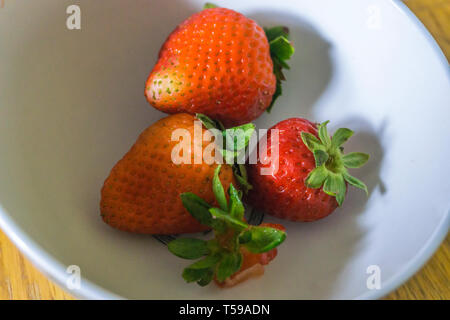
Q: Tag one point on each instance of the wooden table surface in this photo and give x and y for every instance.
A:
(20, 280)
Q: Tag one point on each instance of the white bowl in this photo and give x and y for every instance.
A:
(71, 104)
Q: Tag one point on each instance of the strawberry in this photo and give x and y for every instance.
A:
(222, 64)
(142, 192)
(237, 251)
(312, 176)
(252, 263)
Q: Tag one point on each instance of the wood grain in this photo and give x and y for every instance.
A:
(20, 280)
(432, 282)
(435, 15)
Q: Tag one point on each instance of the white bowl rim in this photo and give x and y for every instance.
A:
(56, 271)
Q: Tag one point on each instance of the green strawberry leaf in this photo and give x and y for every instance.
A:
(243, 184)
(278, 93)
(206, 277)
(320, 156)
(207, 121)
(355, 159)
(200, 271)
(213, 245)
(264, 239)
(240, 173)
(335, 186)
(209, 5)
(283, 65)
(226, 217)
(323, 134)
(229, 264)
(341, 136)
(218, 190)
(245, 237)
(280, 50)
(208, 262)
(188, 248)
(197, 207)
(355, 182)
(275, 32)
(237, 138)
(316, 177)
(311, 142)
(236, 142)
(342, 189)
(236, 207)
(330, 186)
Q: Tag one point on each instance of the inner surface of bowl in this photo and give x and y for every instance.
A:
(72, 103)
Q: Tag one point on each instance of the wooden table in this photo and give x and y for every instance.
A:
(20, 280)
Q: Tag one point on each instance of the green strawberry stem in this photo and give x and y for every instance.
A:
(281, 50)
(209, 5)
(331, 172)
(221, 256)
(235, 142)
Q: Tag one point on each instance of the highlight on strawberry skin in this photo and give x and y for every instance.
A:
(238, 250)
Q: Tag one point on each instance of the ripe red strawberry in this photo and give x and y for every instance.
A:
(312, 174)
(222, 64)
(142, 192)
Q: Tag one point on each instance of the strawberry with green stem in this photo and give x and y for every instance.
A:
(220, 63)
(235, 241)
(312, 177)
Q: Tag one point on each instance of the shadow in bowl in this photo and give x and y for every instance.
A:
(311, 68)
(366, 139)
